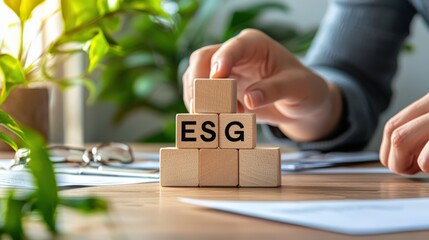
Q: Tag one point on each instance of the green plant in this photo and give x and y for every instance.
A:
(88, 27)
(148, 76)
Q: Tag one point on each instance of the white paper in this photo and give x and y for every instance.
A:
(355, 217)
(143, 165)
(343, 170)
(310, 160)
(22, 179)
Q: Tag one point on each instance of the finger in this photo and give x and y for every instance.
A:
(406, 143)
(423, 160)
(199, 67)
(242, 48)
(414, 110)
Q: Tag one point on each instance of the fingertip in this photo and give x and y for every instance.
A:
(220, 69)
(254, 99)
(423, 164)
(191, 106)
(214, 70)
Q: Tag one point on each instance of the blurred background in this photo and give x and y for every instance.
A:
(411, 81)
(138, 92)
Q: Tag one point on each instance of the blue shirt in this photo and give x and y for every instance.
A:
(357, 48)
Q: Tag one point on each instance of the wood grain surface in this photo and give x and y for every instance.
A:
(218, 95)
(148, 211)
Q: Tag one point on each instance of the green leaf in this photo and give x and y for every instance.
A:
(9, 141)
(44, 177)
(85, 204)
(77, 12)
(23, 8)
(11, 74)
(98, 48)
(13, 217)
(149, 6)
(7, 121)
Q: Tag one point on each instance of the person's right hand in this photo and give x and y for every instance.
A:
(272, 83)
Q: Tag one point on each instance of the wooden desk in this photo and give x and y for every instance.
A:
(148, 211)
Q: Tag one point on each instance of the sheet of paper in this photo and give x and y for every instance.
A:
(310, 160)
(343, 170)
(22, 179)
(295, 161)
(143, 165)
(355, 217)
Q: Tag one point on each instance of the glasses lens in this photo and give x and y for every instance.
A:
(120, 152)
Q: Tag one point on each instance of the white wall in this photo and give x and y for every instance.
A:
(410, 83)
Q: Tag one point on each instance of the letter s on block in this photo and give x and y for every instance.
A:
(209, 131)
(240, 134)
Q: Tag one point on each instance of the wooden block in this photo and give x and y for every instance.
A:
(259, 167)
(179, 167)
(218, 167)
(197, 130)
(217, 95)
(237, 130)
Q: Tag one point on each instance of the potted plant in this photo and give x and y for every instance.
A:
(88, 26)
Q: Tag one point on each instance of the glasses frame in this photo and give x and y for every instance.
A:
(88, 155)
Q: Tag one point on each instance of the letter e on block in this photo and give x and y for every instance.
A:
(197, 130)
(217, 95)
(237, 130)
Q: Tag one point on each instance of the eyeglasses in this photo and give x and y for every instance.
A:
(103, 154)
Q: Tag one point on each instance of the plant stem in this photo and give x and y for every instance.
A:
(21, 42)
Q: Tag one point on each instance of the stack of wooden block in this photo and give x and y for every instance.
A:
(215, 146)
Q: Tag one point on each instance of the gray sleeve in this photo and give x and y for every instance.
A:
(356, 48)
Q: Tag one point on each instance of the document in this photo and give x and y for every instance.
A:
(300, 161)
(23, 179)
(69, 176)
(291, 162)
(354, 217)
(342, 170)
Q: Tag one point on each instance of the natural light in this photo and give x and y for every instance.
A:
(44, 16)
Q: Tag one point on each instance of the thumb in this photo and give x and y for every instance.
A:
(237, 49)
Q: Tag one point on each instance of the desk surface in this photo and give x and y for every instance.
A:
(148, 211)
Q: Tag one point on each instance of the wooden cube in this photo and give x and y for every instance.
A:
(218, 167)
(215, 95)
(179, 167)
(197, 130)
(237, 130)
(259, 167)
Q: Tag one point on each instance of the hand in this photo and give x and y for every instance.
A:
(272, 83)
(405, 146)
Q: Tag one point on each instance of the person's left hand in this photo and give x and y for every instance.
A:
(405, 145)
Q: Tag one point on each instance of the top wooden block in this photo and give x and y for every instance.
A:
(217, 95)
